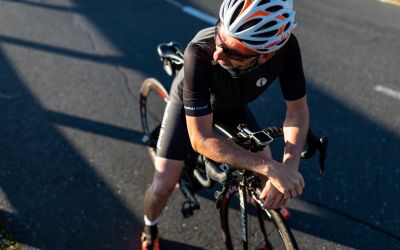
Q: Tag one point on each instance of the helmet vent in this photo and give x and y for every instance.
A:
(248, 24)
(266, 34)
(287, 26)
(274, 8)
(236, 13)
(284, 40)
(285, 15)
(267, 26)
(253, 42)
(263, 2)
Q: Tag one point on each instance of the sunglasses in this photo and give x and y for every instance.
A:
(229, 52)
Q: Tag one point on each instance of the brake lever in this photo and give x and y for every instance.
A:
(314, 143)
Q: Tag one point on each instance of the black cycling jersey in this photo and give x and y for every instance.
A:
(174, 143)
(204, 86)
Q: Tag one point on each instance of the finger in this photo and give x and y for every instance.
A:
(270, 199)
(283, 202)
(265, 191)
(302, 182)
(277, 185)
(299, 190)
(268, 202)
(287, 194)
(277, 201)
(293, 193)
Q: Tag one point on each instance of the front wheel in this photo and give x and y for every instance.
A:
(266, 229)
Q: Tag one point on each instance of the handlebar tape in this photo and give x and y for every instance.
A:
(213, 172)
(204, 181)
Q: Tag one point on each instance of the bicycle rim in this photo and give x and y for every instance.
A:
(153, 99)
(277, 234)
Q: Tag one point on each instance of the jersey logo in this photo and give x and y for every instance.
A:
(261, 82)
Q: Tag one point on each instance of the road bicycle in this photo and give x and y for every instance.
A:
(245, 224)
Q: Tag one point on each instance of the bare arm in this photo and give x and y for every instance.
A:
(219, 149)
(222, 150)
(295, 130)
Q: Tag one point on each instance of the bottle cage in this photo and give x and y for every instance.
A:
(171, 56)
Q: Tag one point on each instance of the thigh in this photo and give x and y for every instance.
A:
(173, 142)
(167, 172)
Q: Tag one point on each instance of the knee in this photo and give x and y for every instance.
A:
(167, 174)
(162, 187)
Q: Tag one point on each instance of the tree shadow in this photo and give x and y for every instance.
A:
(60, 202)
(58, 199)
(94, 127)
(52, 187)
(44, 5)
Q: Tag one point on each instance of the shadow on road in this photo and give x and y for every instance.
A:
(57, 199)
(167, 244)
(45, 6)
(54, 191)
(94, 127)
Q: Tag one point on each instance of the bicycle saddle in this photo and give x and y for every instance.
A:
(171, 56)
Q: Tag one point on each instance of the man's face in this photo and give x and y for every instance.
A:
(230, 53)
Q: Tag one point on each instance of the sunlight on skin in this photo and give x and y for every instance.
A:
(235, 44)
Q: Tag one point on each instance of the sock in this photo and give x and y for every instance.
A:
(150, 223)
(150, 229)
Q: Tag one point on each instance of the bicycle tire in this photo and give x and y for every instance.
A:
(153, 99)
(279, 235)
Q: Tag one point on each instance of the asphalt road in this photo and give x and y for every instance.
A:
(72, 166)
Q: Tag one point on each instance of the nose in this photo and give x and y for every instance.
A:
(218, 54)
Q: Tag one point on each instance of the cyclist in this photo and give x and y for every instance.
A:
(225, 67)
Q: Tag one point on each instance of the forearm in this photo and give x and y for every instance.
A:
(225, 151)
(295, 130)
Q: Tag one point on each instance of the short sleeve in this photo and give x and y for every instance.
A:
(197, 79)
(292, 80)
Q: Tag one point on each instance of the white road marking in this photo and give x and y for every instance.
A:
(194, 12)
(175, 3)
(200, 15)
(387, 91)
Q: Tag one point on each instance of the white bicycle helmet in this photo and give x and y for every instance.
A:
(261, 25)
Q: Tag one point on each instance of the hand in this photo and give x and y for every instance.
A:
(273, 198)
(288, 181)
